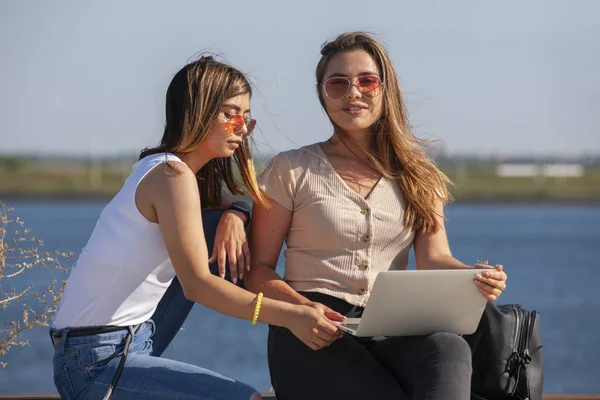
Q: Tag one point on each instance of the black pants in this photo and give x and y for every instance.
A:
(437, 366)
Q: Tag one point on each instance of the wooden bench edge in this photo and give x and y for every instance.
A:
(271, 396)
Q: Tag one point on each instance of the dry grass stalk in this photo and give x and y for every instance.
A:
(19, 255)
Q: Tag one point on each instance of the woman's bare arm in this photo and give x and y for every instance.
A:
(432, 251)
(269, 228)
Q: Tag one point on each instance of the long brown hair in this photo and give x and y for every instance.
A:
(194, 99)
(400, 154)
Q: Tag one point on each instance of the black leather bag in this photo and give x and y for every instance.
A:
(507, 355)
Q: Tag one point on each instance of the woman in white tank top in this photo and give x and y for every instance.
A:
(125, 294)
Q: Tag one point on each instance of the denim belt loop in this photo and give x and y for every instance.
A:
(63, 340)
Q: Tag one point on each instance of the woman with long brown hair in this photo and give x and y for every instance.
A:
(123, 299)
(348, 208)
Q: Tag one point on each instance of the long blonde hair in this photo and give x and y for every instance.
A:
(194, 99)
(400, 154)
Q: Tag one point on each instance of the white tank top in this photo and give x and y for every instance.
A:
(124, 270)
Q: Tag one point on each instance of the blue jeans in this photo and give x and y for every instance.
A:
(84, 366)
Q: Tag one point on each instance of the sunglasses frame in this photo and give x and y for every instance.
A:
(248, 121)
(351, 82)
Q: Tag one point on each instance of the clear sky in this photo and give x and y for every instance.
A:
(483, 77)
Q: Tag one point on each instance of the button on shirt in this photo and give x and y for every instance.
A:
(338, 241)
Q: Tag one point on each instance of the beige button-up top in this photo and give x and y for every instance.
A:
(338, 241)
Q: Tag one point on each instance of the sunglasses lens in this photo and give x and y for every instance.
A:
(368, 85)
(336, 88)
(236, 122)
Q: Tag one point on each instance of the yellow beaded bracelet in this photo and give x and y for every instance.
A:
(257, 308)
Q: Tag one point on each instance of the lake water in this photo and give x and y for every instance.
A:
(551, 255)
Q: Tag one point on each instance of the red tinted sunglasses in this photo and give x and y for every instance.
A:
(236, 122)
(337, 87)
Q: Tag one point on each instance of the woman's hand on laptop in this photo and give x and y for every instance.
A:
(313, 327)
(327, 312)
(491, 283)
(331, 315)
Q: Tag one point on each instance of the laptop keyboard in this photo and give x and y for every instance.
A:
(351, 326)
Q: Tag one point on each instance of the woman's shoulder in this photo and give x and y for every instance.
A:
(290, 171)
(166, 170)
(152, 160)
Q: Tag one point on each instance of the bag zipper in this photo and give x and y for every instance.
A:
(521, 353)
(517, 333)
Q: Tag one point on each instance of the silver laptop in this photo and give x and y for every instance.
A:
(420, 302)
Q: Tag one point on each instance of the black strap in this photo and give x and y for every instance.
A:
(94, 330)
(238, 206)
(115, 381)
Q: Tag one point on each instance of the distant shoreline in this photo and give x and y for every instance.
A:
(476, 181)
(95, 197)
